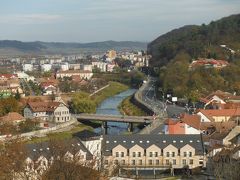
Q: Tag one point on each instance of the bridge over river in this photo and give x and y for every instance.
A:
(114, 118)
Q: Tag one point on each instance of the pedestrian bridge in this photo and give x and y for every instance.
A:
(114, 118)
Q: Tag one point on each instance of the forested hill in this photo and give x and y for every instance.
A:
(19, 47)
(198, 41)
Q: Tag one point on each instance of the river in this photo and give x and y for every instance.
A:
(110, 106)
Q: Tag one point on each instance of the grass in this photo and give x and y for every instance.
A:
(113, 89)
(60, 135)
(130, 109)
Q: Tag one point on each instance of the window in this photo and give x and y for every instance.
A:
(115, 161)
(173, 154)
(167, 154)
(174, 161)
(157, 162)
(106, 161)
(185, 154)
(156, 154)
(134, 154)
(117, 154)
(150, 154)
(133, 162)
(191, 161)
(139, 154)
(190, 154)
(123, 162)
(122, 154)
(150, 162)
(184, 162)
(140, 162)
(167, 162)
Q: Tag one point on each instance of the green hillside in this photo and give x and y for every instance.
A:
(174, 51)
(198, 41)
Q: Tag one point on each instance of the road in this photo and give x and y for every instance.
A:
(149, 96)
(161, 109)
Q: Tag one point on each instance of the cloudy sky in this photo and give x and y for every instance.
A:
(99, 20)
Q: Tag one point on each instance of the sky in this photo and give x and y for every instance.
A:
(101, 20)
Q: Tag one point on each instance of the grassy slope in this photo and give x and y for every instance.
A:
(128, 108)
(113, 89)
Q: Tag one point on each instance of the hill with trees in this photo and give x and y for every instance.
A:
(9, 47)
(173, 52)
(198, 41)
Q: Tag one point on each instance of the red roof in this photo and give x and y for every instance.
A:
(12, 116)
(8, 76)
(192, 120)
(220, 112)
(43, 106)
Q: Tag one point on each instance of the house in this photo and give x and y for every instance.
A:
(153, 150)
(56, 112)
(12, 118)
(41, 156)
(218, 115)
(187, 124)
(48, 88)
(219, 100)
(209, 63)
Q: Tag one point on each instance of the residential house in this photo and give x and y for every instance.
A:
(187, 124)
(49, 111)
(48, 88)
(12, 118)
(41, 156)
(218, 115)
(153, 150)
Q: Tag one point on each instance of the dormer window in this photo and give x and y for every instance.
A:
(107, 142)
(174, 141)
(124, 141)
(115, 141)
(147, 141)
(190, 141)
(140, 141)
(164, 141)
(132, 141)
(181, 141)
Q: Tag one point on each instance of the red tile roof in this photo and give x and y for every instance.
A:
(220, 112)
(12, 116)
(192, 120)
(43, 106)
(8, 76)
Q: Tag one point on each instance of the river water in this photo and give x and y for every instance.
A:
(110, 106)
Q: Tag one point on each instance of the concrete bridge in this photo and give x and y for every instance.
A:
(114, 118)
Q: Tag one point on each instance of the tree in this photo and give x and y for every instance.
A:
(81, 103)
(9, 105)
(12, 164)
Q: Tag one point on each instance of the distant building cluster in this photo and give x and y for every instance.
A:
(208, 63)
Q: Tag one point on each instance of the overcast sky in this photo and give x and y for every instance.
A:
(100, 20)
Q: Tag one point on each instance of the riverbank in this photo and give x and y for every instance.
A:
(68, 134)
(128, 108)
(113, 89)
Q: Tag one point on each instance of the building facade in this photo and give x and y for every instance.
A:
(156, 150)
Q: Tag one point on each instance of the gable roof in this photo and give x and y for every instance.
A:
(220, 112)
(43, 106)
(147, 140)
(11, 117)
(192, 120)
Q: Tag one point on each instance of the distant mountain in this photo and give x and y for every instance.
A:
(38, 47)
(198, 41)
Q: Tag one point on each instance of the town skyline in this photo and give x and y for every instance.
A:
(92, 21)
